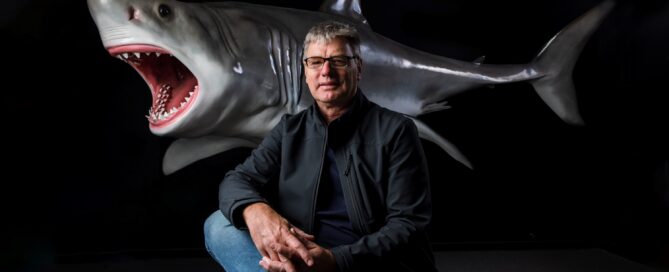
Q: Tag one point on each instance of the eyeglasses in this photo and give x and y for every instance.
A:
(336, 61)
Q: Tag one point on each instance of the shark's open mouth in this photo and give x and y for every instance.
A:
(173, 85)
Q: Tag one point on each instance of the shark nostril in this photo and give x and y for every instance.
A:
(133, 14)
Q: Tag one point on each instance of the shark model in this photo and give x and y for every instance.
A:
(222, 74)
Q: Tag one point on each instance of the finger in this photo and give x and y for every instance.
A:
(267, 245)
(290, 253)
(309, 244)
(259, 245)
(264, 251)
(273, 255)
(270, 253)
(264, 263)
(302, 234)
(282, 257)
(271, 265)
(284, 252)
(293, 243)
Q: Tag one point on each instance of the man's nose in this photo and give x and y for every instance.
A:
(326, 69)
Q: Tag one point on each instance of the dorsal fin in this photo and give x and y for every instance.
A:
(346, 8)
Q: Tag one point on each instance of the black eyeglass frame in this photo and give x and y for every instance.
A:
(330, 61)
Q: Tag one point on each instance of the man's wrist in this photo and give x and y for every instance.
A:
(251, 210)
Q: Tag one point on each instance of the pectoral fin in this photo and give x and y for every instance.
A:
(184, 152)
(427, 133)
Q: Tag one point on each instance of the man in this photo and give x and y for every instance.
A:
(341, 186)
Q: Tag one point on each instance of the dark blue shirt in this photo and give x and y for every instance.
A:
(333, 226)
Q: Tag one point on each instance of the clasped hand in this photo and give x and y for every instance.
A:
(283, 246)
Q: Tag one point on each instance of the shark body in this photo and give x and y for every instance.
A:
(223, 73)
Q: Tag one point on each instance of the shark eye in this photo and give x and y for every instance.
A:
(164, 10)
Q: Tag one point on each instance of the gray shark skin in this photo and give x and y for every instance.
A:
(223, 73)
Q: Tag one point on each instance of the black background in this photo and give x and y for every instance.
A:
(82, 171)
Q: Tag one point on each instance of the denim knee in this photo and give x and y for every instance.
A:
(229, 246)
(215, 227)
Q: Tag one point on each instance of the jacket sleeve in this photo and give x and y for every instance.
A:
(408, 207)
(242, 186)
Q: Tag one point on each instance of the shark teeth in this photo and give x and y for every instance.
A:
(149, 62)
(126, 56)
(158, 112)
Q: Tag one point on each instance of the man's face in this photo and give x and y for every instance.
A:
(332, 85)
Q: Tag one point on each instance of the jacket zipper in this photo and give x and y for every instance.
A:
(318, 182)
(357, 210)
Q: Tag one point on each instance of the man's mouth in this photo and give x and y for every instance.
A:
(173, 85)
(328, 84)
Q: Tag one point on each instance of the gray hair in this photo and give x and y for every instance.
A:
(329, 30)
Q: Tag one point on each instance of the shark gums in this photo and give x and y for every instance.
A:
(222, 74)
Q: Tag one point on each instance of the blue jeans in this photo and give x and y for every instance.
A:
(231, 248)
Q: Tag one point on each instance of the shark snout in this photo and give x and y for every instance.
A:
(116, 11)
(123, 21)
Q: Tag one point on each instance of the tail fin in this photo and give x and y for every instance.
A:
(557, 59)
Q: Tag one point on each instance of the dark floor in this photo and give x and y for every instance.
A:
(572, 260)
(545, 260)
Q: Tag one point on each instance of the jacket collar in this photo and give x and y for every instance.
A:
(349, 118)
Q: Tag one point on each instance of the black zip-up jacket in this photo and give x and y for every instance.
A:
(383, 174)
